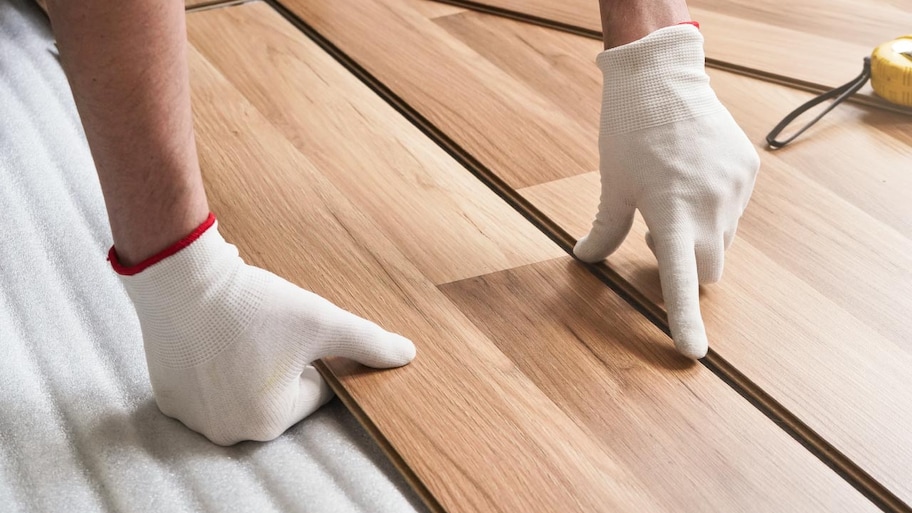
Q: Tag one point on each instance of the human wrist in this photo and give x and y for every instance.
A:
(625, 21)
(655, 80)
(126, 267)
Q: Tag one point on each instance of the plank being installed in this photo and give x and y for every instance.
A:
(483, 233)
(819, 42)
(672, 424)
(472, 422)
(822, 264)
(814, 306)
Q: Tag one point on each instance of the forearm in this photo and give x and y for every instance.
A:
(625, 21)
(127, 67)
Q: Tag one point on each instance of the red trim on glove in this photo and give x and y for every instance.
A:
(694, 23)
(130, 270)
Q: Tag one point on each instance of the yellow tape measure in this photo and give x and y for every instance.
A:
(890, 70)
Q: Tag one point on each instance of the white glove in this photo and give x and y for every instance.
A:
(229, 346)
(669, 148)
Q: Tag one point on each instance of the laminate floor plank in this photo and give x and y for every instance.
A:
(814, 304)
(815, 41)
(459, 415)
(821, 271)
(440, 73)
(196, 3)
(432, 10)
(557, 66)
(328, 114)
(671, 423)
(799, 339)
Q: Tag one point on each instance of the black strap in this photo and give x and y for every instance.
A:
(840, 94)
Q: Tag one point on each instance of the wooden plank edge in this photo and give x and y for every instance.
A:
(848, 470)
(868, 100)
(391, 453)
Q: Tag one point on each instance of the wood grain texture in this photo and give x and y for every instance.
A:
(823, 261)
(816, 41)
(474, 424)
(450, 225)
(196, 3)
(814, 306)
(469, 437)
(432, 10)
(671, 423)
(452, 85)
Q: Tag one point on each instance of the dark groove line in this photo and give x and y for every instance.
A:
(803, 85)
(395, 458)
(772, 409)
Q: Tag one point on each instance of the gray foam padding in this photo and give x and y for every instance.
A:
(79, 430)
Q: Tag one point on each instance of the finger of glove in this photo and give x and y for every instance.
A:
(358, 339)
(610, 228)
(681, 290)
(710, 260)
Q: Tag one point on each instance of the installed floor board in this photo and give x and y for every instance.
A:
(440, 73)
(674, 425)
(812, 41)
(326, 113)
(821, 272)
(822, 263)
(558, 67)
(199, 3)
(458, 416)
(815, 301)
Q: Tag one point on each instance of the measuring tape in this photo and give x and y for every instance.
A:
(890, 70)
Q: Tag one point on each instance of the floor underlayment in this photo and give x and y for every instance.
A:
(79, 430)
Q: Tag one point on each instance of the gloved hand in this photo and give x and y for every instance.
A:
(229, 346)
(669, 148)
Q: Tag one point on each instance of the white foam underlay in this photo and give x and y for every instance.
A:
(79, 430)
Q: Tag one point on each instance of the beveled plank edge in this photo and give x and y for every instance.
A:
(772, 409)
(431, 502)
(812, 87)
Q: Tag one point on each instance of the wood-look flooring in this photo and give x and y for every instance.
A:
(814, 306)
(537, 387)
(819, 42)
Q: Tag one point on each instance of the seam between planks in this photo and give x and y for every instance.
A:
(843, 466)
(395, 458)
(803, 85)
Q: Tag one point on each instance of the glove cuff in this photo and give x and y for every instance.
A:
(655, 80)
(130, 270)
(193, 299)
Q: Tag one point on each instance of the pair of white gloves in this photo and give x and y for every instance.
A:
(229, 346)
